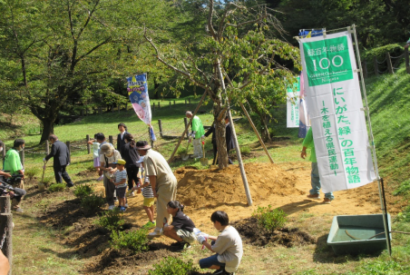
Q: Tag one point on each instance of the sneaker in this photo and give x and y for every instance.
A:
(70, 185)
(326, 200)
(111, 207)
(313, 196)
(156, 233)
(222, 271)
(126, 205)
(123, 209)
(149, 225)
(100, 178)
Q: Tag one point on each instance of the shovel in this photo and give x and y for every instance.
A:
(41, 185)
(186, 155)
(204, 161)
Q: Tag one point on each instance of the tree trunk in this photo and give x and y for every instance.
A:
(156, 86)
(265, 131)
(220, 133)
(48, 128)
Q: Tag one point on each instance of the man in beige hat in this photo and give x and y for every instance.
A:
(163, 182)
(108, 160)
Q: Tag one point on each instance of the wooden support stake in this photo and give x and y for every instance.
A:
(186, 128)
(406, 58)
(6, 232)
(174, 102)
(88, 145)
(256, 132)
(47, 147)
(160, 127)
(238, 152)
(69, 151)
(389, 65)
(376, 66)
(186, 125)
(110, 139)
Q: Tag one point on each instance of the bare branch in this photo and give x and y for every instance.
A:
(90, 14)
(92, 50)
(211, 11)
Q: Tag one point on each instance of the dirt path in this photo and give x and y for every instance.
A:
(284, 185)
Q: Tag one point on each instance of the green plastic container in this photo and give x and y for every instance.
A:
(350, 234)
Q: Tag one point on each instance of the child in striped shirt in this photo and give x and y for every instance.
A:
(120, 183)
(148, 194)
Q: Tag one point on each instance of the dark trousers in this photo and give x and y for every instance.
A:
(60, 172)
(109, 191)
(132, 173)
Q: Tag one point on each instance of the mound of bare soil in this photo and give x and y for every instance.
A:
(212, 187)
(289, 237)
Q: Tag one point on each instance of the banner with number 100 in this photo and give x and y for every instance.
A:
(334, 103)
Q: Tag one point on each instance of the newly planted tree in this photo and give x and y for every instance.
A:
(238, 50)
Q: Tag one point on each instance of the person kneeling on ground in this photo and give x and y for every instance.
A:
(120, 183)
(228, 246)
(181, 228)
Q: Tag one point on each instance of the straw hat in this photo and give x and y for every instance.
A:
(107, 149)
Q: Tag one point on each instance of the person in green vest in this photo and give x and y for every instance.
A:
(314, 175)
(12, 165)
(197, 134)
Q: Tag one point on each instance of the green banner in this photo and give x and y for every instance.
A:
(327, 61)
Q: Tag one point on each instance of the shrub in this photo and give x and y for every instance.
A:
(31, 173)
(136, 240)
(175, 266)
(82, 191)
(111, 220)
(56, 187)
(245, 150)
(181, 151)
(269, 218)
(46, 181)
(92, 203)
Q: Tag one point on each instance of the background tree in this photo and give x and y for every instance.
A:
(239, 42)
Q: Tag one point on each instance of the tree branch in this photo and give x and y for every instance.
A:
(211, 11)
(93, 49)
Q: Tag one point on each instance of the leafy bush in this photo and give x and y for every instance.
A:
(31, 173)
(175, 266)
(269, 218)
(136, 240)
(82, 191)
(56, 187)
(46, 181)
(92, 203)
(111, 220)
(245, 150)
(181, 151)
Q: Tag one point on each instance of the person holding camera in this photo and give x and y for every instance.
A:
(12, 165)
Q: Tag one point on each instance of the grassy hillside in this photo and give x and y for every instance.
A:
(389, 104)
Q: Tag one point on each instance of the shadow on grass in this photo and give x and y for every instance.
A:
(324, 253)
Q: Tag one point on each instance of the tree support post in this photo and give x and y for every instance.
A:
(47, 147)
(88, 145)
(238, 152)
(6, 229)
(110, 139)
(160, 127)
(406, 58)
(186, 128)
(389, 65)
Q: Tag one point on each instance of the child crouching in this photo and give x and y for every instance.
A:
(181, 228)
(228, 246)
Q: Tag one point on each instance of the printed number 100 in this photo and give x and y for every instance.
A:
(324, 63)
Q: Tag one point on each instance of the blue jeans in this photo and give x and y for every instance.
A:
(315, 181)
(210, 261)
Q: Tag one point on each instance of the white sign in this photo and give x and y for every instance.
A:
(292, 104)
(334, 101)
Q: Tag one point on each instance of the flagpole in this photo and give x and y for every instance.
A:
(373, 147)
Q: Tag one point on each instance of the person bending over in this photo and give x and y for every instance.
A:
(181, 228)
(228, 246)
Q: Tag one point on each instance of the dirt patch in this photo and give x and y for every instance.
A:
(289, 237)
(87, 173)
(212, 187)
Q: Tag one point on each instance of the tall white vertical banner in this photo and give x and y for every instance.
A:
(334, 101)
(292, 105)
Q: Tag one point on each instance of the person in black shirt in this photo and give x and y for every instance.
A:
(181, 228)
(130, 155)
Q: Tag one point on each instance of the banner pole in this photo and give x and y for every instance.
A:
(373, 147)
